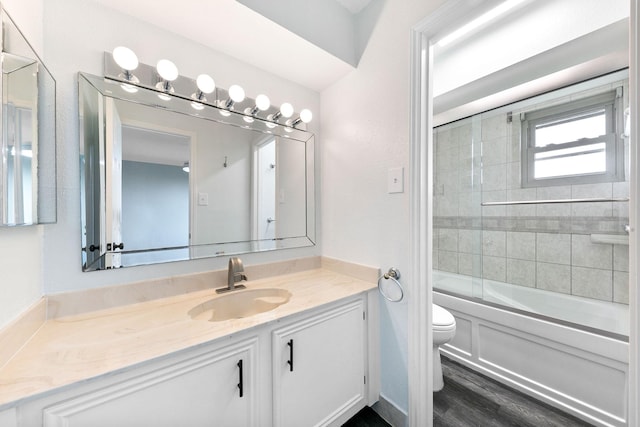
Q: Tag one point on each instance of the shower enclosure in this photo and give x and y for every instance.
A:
(531, 207)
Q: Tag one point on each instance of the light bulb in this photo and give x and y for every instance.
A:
(286, 109)
(167, 70)
(125, 58)
(262, 102)
(306, 115)
(205, 83)
(236, 93)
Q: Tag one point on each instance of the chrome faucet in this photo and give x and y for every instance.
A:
(235, 274)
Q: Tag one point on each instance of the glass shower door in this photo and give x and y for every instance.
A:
(457, 239)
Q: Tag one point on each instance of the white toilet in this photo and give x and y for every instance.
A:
(444, 328)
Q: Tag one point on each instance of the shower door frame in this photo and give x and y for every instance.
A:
(420, 338)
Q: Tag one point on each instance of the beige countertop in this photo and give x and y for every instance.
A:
(73, 348)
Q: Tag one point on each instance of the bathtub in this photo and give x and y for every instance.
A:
(571, 353)
(607, 317)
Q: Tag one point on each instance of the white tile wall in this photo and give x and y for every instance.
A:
(521, 272)
(592, 283)
(494, 268)
(588, 191)
(494, 243)
(621, 287)
(448, 261)
(521, 210)
(621, 257)
(470, 264)
(494, 177)
(553, 277)
(587, 254)
(448, 240)
(469, 241)
(553, 193)
(494, 126)
(494, 196)
(553, 248)
(521, 245)
(494, 151)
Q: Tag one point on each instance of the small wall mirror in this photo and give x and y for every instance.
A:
(163, 181)
(27, 166)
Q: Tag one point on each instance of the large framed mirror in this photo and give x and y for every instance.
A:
(162, 181)
(27, 143)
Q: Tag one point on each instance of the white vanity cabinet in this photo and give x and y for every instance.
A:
(331, 348)
(216, 387)
(8, 418)
(319, 368)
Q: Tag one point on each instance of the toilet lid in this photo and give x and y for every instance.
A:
(442, 317)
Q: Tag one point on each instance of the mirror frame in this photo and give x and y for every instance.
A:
(39, 207)
(94, 90)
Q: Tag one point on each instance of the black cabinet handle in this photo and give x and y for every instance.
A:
(120, 246)
(290, 361)
(241, 383)
(93, 248)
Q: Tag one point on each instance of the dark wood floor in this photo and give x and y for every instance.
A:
(470, 399)
(367, 417)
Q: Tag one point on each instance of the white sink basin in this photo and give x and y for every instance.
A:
(240, 304)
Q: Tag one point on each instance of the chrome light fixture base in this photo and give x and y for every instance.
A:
(146, 76)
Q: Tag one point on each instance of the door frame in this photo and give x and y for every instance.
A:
(420, 337)
(255, 183)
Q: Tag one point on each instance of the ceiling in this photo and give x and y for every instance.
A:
(354, 6)
(311, 66)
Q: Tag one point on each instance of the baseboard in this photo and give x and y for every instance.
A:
(391, 413)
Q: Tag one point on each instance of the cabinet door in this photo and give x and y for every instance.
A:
(319, 367)
(8, 418)
(206, 390)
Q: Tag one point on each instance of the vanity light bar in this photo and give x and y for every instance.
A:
(123, 65)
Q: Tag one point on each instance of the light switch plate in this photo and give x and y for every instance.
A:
(395, 180)
(203, 199)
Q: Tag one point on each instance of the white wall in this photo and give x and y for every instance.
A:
(28, 16)
(21, 247)
(365, 131)
(76, 33)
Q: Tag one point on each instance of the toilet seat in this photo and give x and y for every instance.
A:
(442, 319)
(447, 328)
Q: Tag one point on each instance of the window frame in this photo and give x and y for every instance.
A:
(611, 102)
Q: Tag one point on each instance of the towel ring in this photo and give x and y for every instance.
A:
(393, 274)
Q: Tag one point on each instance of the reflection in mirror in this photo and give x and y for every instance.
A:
(27, 166)
(165, 182)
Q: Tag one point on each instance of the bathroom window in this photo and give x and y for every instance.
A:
(574, 143)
